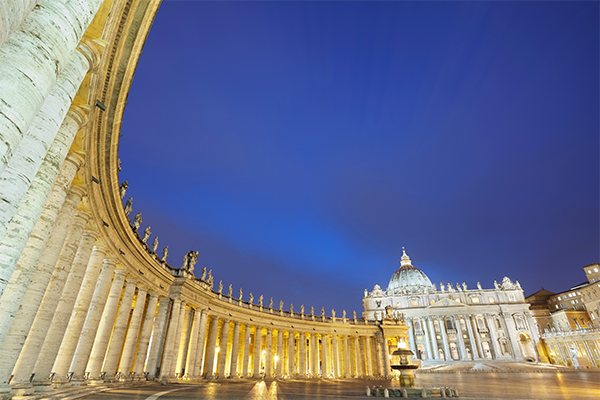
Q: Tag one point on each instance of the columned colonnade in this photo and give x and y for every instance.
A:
(82, 298)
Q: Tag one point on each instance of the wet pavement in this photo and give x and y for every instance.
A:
(546, 386)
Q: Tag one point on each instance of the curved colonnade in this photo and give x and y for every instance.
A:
(83, 298)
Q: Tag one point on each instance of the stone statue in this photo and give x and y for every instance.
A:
(388, 313)
(366, 292)
(119, 164)
(147, 234)
(189, 260)
(464, 285)
(312, 310)
(442, 288)
(450, 289)
(123, 188)
(240, 294)
(210, 279)
(203, 277)
(165, 253)
(344, 314)
(155, 244)
(260, 299)
(271, 303)
(458, 287)
(281, 304)
(221, 286)
(479, 286)
(129, 206)
(302, 309)
(322, 311)
(230, 290)
(137, 220)
(354, 313)
(518, 285)
(251, 298)
(434, 288)
(332, 313)
(496, 285)
(574, 355)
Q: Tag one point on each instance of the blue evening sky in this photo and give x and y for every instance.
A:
(299, 145)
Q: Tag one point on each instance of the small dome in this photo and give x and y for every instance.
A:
(408, 278)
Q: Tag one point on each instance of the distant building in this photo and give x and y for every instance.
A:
(454, 323)
(569, 322)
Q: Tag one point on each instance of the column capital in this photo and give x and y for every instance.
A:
(79, 114)
(92, 50)
(76, 157)
(131, 280)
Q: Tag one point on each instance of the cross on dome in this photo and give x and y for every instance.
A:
(405, 260)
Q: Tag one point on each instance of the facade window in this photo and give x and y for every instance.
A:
(431, 301)
(589, 271)
(491, 299)
(414, 302)
(474, 299)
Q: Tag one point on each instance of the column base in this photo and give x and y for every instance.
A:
(21, 390)
(95, 381)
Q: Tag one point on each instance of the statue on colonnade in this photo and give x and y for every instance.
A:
(129, 206)
(147, 234)
(123, 189)
(165, 253)
(137, 221)
(155, 244)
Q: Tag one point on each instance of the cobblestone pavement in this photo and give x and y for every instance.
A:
(546, 386)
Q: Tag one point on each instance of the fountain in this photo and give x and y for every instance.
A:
(401, 363)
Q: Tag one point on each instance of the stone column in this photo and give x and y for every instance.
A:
(461, 339)
(201, 339)
(314, 358)
(269, 354)
(131, 337)
(335, 360)
(412, 340)
(148, 324)
(246, 352)
(211, 346)
(357, 358)
(47, 307)
(29, 231)
(222, 360)
(20, 329)
(386, 359)
(181, 341)
(291, 354)
(80, 310)
(324, 356)
(511, 332)
(493, 339)
(158, 336)
(29, 155)
(94, 365)
(280, 355)
(347, 371)
(64, 309)
(447, 355)
(192, 352)
(432, 345)
(256, 352)
(85, 341)
(118, 334)
(379, 356)
(302, 354)
(12, 14)
(369, 353)
(233, 366)
(475, 345)
(170, 340)
(30, 61)
(40, 256)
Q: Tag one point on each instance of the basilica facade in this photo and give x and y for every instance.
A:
(452, 323)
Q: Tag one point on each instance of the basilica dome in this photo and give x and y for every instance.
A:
(409, 279)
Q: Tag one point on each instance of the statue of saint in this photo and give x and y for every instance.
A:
(123, 188)
(260, 299)
(203, 274)
(354, 313)
(240, 294)
(496, 285)
(442, 287)
(271, 303)
(165, 253)
(147, 234)
(221, 286)
(251, 298)
(155, 244)
(464, 285)
(344, 314)
(129, 206)
(450, 289)
(230, 290)
(366, 292)
(137, 221)
(291, 308)
(479, 286)
(210, 280)
(119, 162)
(281, 304)
(322, 311)
(312, 310)
(302, 309)
(332, 313)
(458, 287)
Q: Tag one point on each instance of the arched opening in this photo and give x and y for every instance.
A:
(527, 348)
